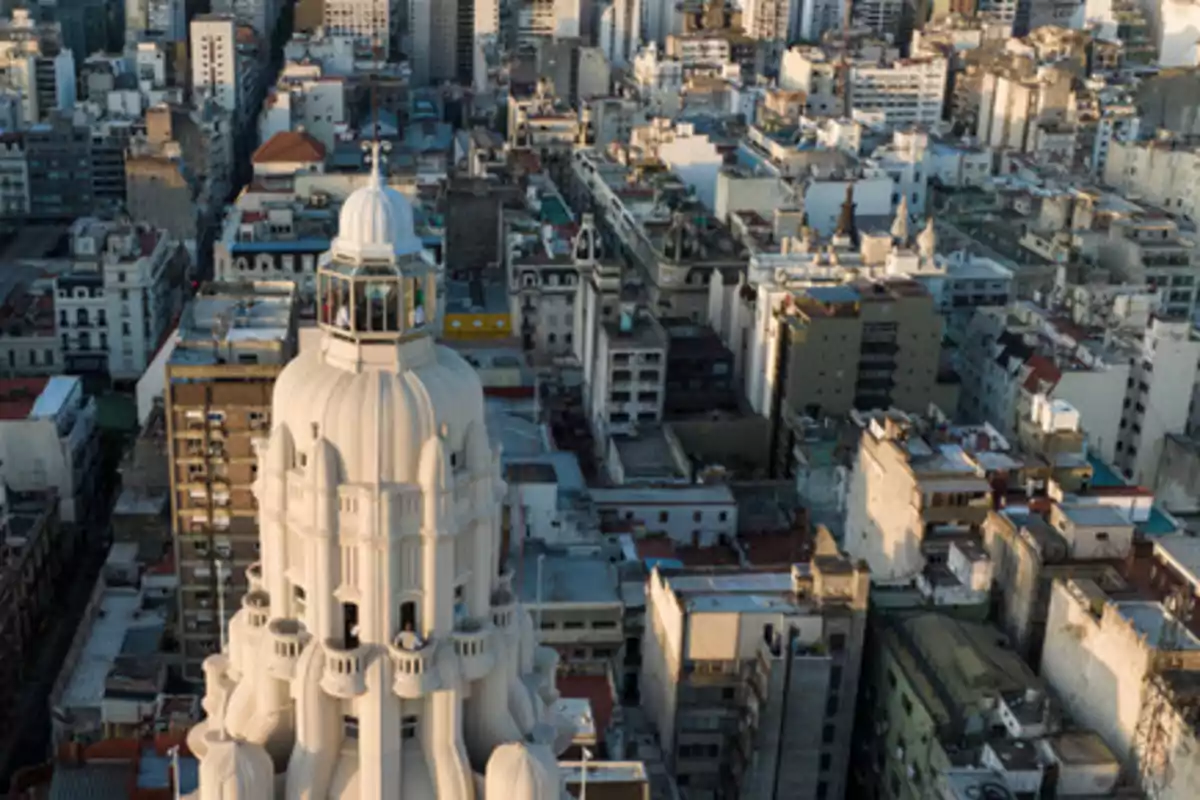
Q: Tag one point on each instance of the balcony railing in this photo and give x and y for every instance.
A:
(345, 673)
(289, 638)
(415, 672)
(472, 645)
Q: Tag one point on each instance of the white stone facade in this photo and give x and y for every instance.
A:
(381, 651)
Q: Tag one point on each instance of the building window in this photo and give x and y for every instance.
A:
(837, 642)
(828, 734)
(826, 761)
(350, 727)
(408, 727)
(663, 516)
(697, 516)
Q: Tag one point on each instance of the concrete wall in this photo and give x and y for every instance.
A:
(1095, 665)
(882, 525)
(1177, 483)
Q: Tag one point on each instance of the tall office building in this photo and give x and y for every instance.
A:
(370, 22)
(214, 59)
(381, 651)
(232, 342)
(770, 20)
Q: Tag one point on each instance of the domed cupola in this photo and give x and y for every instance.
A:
(377, 283)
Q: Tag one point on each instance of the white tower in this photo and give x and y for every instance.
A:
(380, 652)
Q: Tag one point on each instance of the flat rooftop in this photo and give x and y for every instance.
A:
(604, 771)
(530, 472)
(1094, 516)
(232, 313)
(1182, 551)
(121, 617)
(563, 463)
(567, 578)
(1150, 619)
(643, 334)
(746, 592)
(476, 297)
(647, 456)
(708, 494)
(957, 667)
(1081, 747)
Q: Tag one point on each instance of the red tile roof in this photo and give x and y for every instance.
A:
(17, 396)
(287, 146)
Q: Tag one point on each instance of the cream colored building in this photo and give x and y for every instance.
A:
(381, 651)
(1126, 669)
(905, 490)
(750, 678)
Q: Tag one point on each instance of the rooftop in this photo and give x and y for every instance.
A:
(708, 494)
(230, 314)
(1080, 748)
(957, 667)
(1094, 516)
(648, 456)
(1183, 553)
(1152, 621)
(566, 577)
(640, 333)
(115, 630)
(19, 395)
(289, 147)
(604, 771)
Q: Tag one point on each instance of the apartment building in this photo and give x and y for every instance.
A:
(544, 265)
(750, 679)
(629, 375)
(31, 343)
(34, 550)
(1158, 171)
(574, 598)
(1126, 667)
(369, 22)
(215, 63)
(75, 169)
(869, 344)
(948, 711)
(232, 342)
(699, 378)
(123, 291)
(912, 495)
(35, 66)
(898, 91)
(306, 99)
(1153, 250)
(770, 20)
(49, 441)
(676, 250)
